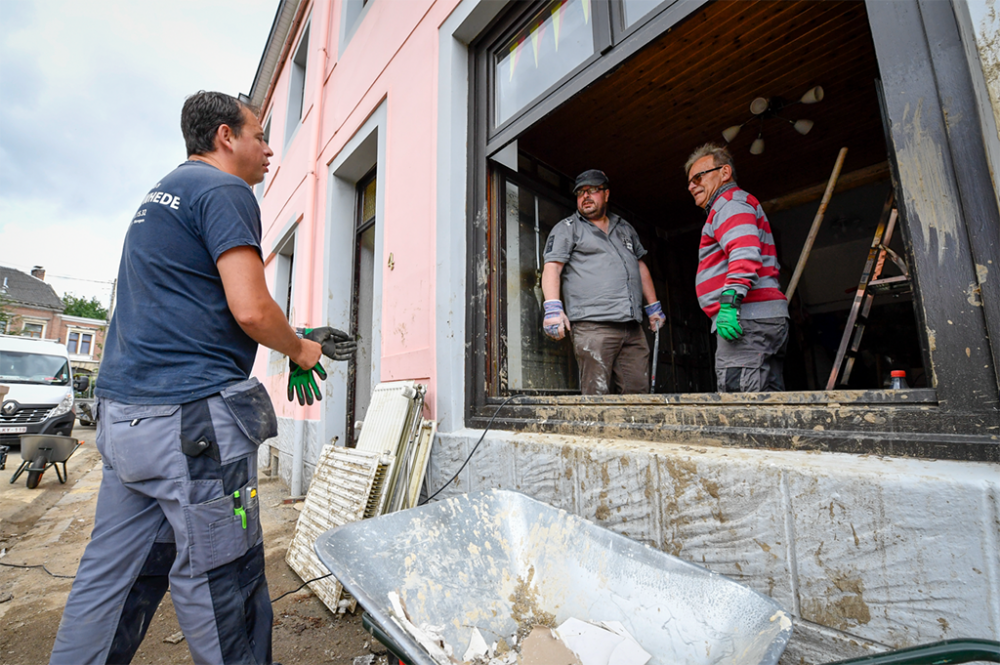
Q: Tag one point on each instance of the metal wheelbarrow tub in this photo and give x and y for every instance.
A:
(40, 451)
(497, 559)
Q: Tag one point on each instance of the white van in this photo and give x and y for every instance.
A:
(39, 399)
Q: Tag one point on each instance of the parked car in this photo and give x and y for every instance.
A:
(40, 388)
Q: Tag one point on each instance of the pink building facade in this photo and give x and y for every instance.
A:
(424, 148)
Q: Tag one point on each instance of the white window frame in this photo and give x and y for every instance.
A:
(261, 186)
(80, 333)
(352, 13)
(297, 69)
(26, 321)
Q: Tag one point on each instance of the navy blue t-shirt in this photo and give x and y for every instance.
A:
(172, 338)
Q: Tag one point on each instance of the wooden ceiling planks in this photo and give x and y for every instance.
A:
(640, 122)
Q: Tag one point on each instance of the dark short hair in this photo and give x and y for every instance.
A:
(202, 115)
(719, 154)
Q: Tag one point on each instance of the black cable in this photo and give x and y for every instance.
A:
(474, 448)
(322, 577)
(40, 565)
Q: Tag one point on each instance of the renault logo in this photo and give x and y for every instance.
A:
(9, 408)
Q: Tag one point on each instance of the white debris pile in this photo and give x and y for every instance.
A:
(575, 642)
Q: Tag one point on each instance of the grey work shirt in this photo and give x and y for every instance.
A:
(600, 279)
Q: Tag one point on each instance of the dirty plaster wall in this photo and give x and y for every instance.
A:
(896, 552)
(987, 33)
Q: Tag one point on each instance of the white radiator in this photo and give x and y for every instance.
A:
(387, 416)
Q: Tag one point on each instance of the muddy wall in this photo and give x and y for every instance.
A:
(867, 553)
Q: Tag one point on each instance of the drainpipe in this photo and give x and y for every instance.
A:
(320, 21)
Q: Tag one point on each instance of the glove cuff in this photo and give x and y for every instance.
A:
(553, 306)
(730, 297)
(653, 308)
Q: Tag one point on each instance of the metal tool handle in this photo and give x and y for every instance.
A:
(656, 356)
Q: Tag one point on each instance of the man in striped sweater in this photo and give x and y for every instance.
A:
(737, 281)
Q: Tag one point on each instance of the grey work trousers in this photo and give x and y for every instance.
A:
(756, 361)
(167, 515)
(611, 355)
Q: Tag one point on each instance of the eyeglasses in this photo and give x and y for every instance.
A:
(696, 178)
(583, 191)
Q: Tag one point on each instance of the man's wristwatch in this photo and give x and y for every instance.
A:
(733, 299)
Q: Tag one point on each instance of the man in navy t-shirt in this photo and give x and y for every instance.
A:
(179, 418)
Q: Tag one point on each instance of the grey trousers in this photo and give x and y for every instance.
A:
(613, 357)
(756, 361)
(168, 515)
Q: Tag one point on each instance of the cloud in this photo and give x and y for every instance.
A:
(90, 98)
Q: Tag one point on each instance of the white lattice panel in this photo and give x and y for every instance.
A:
(339, 493)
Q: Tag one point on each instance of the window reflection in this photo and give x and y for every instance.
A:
(534, 362)
(634, 10)
(555, 41)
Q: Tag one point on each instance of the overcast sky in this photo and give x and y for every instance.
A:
(90, 99)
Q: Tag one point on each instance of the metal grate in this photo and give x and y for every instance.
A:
(26, 415)
(339, 493)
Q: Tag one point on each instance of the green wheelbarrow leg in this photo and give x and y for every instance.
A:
(939, 653)
(376, 631)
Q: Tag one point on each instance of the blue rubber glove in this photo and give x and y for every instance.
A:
(556, 322)
(655, 314)
(727, 322)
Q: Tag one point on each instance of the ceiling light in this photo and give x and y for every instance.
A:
(771, 107)
(759, 105)
(813, 95)
(730, 132)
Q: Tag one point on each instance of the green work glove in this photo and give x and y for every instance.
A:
(727, 322)
(302, 384)
(337, 345)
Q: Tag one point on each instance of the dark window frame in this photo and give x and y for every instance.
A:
(361, 225)
(956, 419)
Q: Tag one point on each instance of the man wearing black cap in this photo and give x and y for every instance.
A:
(593, 263)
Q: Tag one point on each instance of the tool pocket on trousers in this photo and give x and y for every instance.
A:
(217, 534)
(253, 525)
(251, 407)
(142, 439)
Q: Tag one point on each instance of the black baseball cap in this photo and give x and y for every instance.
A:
(592, 177)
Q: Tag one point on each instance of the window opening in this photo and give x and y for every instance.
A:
(679, 97)
(79, 343)
(533, 361)
(297, 86)
(261, 186)
(33, 330)
(284, 287)
(362, 302)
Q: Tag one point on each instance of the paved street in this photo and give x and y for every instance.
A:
(51, 525)
(20, 507)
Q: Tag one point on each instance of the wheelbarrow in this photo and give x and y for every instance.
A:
(40, 451)
(498, 560)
